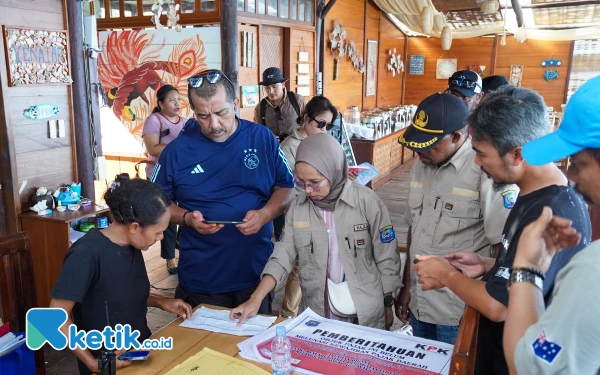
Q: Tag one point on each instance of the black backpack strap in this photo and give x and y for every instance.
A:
(263, 110)
(294, 102)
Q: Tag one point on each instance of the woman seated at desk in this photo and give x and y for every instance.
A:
(106, 268)
(340, 231)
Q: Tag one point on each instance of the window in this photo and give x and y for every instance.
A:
(251, 6)
(294, 14)
(586, 63)
(188, 6)
(130, 8)
(309, 11)
(114, 9)
(261, 7)
(272, 8)
(240, 5)
(301, 11)
(207, 6)
(284, 10)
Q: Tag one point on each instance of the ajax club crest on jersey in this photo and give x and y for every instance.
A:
(250, 158)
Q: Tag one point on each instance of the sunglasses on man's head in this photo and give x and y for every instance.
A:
(463, 82)
(212, 76)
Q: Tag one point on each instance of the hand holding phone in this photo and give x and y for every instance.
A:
(134, 356)
(223, 222)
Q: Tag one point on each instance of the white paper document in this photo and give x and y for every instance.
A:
(218, 321)
(10, 342)
(325, 346)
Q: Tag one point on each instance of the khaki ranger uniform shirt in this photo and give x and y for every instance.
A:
(452, 208)
(367, 248)
(288, 115)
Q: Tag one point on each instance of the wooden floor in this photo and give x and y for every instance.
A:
(394, 194)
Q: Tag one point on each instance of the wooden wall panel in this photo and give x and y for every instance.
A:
(372, 33)
(530, 54)
(347, 90)
(302, 40)
(248, 76)
(474, 51)
(389, 88)
(50, 168)
(34, 156)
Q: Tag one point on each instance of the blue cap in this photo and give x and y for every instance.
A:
(280, 331)
(579, 129)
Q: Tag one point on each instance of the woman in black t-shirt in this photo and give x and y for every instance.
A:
(104, 270)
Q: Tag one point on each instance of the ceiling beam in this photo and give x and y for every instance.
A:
(557, 4)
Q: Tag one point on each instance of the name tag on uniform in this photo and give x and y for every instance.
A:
(360, 227)
(301, 224)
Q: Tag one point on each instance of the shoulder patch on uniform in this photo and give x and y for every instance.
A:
(361, 227)
(545, 349)
(510, 198)
(386, 234)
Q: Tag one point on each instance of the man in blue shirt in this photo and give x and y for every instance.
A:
(223, 169)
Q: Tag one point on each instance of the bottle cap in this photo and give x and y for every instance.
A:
(280, 330)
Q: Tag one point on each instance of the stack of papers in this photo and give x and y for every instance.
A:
(214, 363)
(218, 321)
(10, 342)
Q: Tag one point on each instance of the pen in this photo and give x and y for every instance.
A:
(355, 255)
(435, 204)
(349, 247)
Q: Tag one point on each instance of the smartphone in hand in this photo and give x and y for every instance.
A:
(134, 356)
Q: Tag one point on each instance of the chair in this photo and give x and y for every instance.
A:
(17, 286)
(465, 347)
(137, 168)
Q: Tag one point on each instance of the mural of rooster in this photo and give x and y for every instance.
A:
(133, 66)
(133, 85)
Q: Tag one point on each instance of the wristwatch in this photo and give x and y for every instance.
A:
(388, 301)
(525, 275)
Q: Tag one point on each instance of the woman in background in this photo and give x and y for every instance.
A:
(160, 128)
(105, 268)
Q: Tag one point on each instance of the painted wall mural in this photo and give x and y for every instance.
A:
(134, 64)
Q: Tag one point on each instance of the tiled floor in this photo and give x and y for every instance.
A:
(393, 194)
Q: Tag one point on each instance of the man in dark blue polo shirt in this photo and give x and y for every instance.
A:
(224, 169)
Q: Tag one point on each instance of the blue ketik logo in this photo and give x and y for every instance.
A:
(43, 326)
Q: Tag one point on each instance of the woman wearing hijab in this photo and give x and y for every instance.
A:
(341, 232)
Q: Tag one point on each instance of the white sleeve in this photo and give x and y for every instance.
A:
(566, 338)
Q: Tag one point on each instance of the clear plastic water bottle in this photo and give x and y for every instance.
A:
(281, 353)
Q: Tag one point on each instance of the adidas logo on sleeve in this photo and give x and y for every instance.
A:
(197, 169)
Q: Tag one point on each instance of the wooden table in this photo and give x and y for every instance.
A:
(186, 343)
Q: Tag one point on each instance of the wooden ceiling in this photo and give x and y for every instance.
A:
(547, 14)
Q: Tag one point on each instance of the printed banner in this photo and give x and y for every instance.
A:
(323, 346)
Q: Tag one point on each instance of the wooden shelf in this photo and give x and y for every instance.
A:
(50, 240)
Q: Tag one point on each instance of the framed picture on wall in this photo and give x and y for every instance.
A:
(371, 67)
(250, 96)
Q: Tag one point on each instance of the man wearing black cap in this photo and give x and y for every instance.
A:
(452, 206)
(466, 85)
(280, 109)
(493, 83)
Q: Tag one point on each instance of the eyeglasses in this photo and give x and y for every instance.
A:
(322, 124)
(212, 76)
(310, 186)
(463, 82)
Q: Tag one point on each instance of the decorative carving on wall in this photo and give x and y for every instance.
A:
(394, 63)
(37, 56)
(341, 48)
